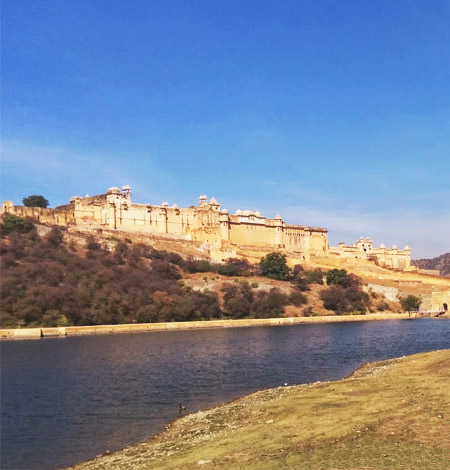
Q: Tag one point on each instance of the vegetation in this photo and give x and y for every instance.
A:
(387, 415)
(410, 303)
(13, 223)
(47, 281)
(274, 265)
(35, 201)
(344, 294)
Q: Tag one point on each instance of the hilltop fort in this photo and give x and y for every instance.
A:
(242, 234)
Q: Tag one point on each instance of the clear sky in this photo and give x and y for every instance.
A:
(331, 113)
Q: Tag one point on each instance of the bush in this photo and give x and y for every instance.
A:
(274, 266)
(314, 277)
(228, 269)
(269, 304)
(345, 299)
(13, 223)
(297, 298)
(198, 266)
(382, 306)
(54, 237)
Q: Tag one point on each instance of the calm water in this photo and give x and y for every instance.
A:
(68, 399)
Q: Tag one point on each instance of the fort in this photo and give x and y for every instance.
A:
(242, 234)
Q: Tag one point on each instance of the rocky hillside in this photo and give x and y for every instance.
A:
(440, 263)
(59, 277)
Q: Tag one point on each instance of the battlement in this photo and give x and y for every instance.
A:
(206, 222)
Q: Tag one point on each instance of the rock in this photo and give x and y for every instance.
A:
(269, 421)
(203, 462)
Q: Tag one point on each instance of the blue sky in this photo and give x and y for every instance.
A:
(330, 113)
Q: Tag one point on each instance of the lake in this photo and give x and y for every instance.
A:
(65, 400)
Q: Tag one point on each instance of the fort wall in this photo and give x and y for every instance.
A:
(244, 233)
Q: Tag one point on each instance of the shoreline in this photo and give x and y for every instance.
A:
(47, 332)
(307, 436)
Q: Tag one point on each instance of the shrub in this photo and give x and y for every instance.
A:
(228, 269)
(314, 277)
(297, 298)
(198, 266)
(13, 223)
(382, 306)
(269, 304)
(55, 237)
(93, 245)
(345, 300)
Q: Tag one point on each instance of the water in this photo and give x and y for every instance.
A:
(65, 400)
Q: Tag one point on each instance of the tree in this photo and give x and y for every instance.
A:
(410, 302)
(338, 277)
(274, 266)
(35, 201)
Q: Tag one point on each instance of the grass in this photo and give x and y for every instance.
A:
(387, 415)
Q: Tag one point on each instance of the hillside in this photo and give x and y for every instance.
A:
(440, 263)
(61, 277)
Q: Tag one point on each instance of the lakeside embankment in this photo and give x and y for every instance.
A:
(389, 415)
(33, 333)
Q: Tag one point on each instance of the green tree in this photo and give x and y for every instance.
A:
(35, 201)
(274, 266)
(410, 302)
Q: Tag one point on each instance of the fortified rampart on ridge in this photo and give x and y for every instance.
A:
(229, 235)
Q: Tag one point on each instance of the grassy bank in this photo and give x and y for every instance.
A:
(388, 415)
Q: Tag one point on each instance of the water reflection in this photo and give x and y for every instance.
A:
(65, 400)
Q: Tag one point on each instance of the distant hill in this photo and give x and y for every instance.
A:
(440, 263)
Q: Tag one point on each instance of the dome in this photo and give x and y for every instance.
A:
(407, 247)
(247, 212)
(394, 247)
(174, 206)
(213, 201)
(258, 214)
(368, 239)
(382, 246)
(278, 217)
(224, 211)
(238, 212)
(126, 188)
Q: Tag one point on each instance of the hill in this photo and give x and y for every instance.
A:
(440, 263)
(60, 277)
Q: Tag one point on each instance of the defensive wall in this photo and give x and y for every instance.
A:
(243, 234)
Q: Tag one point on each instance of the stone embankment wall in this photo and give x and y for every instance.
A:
(35, 333)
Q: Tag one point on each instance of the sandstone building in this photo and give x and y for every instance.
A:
(244, 233)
